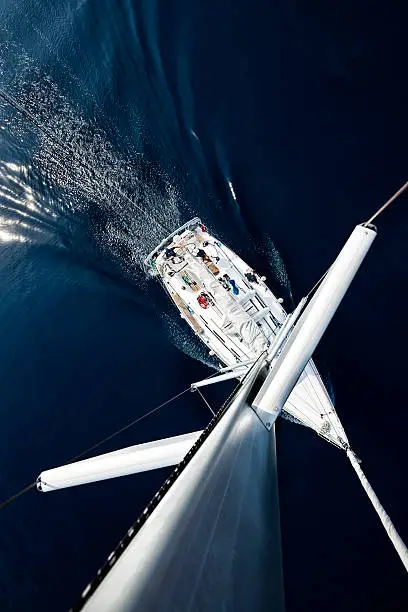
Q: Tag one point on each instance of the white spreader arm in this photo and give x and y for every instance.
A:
(311, 326)
(130, 460)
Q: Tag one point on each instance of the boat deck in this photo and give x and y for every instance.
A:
(237, 316)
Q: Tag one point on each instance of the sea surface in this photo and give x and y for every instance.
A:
(281, 125)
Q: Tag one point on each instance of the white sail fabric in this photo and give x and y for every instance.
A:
(393, 534)
(240, 322)
(246, 328)
(310, 404)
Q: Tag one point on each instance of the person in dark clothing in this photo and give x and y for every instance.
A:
(203, 255)
(235, 289)
(251, 277)
(171, 251)
(215, 257)
(224, 283)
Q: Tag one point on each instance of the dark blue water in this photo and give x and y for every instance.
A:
(280, 124)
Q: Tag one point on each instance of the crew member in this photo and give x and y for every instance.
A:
(171, 251)
(235, 289)
(203, 255)
(251, 276)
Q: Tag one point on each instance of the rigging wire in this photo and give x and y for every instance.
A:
(205, 401)
(316, 285)
(119, 431)
(66, 146)
(387, 203)
(17, 495)
(366, 223)
(107, 438)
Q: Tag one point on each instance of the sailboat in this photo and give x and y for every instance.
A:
(210, 538)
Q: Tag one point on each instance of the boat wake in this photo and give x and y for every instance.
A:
(119, 201)
(80, 191)
(185, 340)
(265, 247)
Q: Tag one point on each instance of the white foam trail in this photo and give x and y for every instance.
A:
(185, 340)
(268, 250)
(90, 171)
(232, 191)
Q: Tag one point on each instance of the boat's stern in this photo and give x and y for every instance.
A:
(189, 228)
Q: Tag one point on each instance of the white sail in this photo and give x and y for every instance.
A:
(311, 405)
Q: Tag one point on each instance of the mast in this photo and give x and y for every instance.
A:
(212, 538)
(212, 532)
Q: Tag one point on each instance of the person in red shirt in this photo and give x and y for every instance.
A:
(203, 301)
